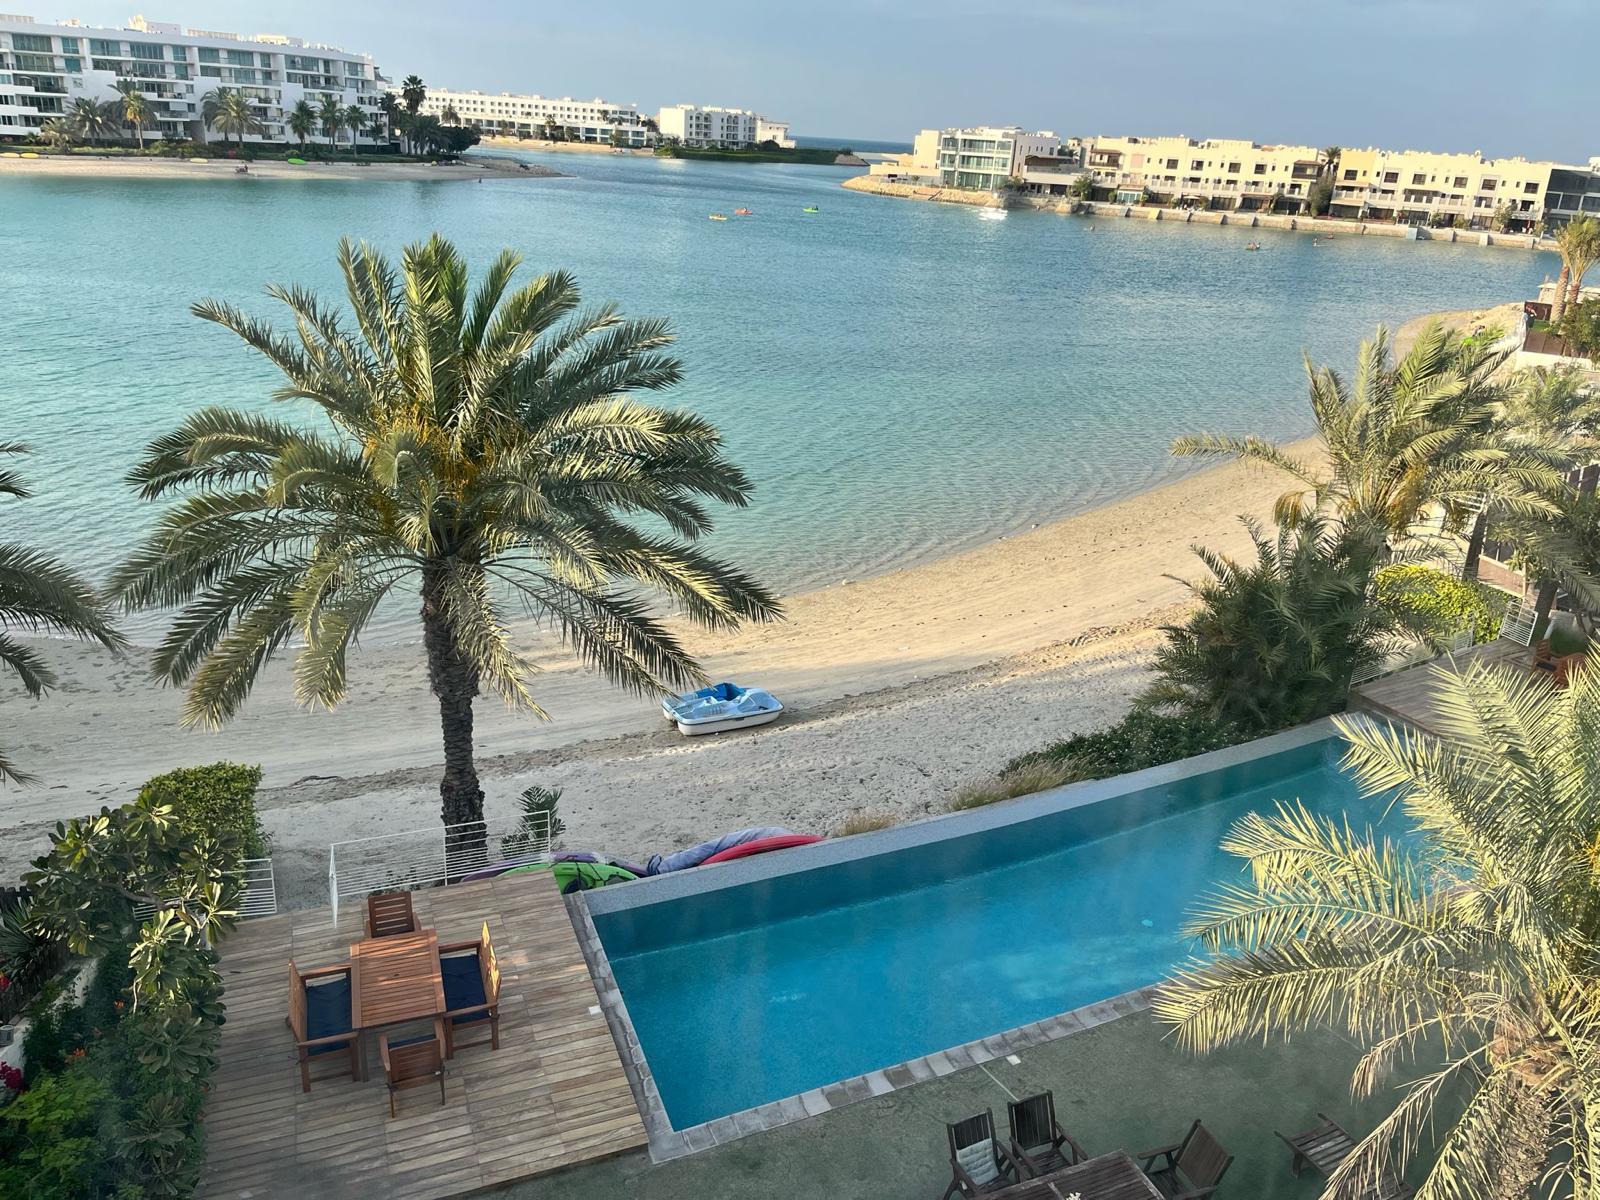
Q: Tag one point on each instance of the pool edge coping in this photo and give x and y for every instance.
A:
(934, 827)
(666, 1143)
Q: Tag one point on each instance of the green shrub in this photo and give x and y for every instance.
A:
(866, 821)
(1012, 782)
(1437, 605)
(50, 1144)
(220, 798)
(1143, 738)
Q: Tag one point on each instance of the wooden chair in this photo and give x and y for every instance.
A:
(978, 1162)
(471, 975)
(1193, 1167)
(320, 1017)
(1544, 659)
(412, 1062)
(1038, 1143)
(1325, 1146)
(389, 913)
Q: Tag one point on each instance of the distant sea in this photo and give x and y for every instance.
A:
(899, 379)
(870, 145)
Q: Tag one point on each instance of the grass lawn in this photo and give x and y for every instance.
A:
(1122, 1085)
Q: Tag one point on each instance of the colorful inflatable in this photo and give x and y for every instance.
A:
(761, 846)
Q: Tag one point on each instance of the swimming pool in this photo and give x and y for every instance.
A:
(766, 978)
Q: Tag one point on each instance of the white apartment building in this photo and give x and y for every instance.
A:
(45, 67)
(984, 157)
(720, 128)
(595, 121)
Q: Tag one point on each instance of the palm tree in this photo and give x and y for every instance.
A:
(135, 109)
(413, 93)
(302, 120)
(229, 111)
(449, 116)
(330, 114)
(425, 134)
(1578, 243)
(1275, 642)
(1473, 947)
(1556, 414)
(1408, 437)
(1562, 551)
(59, 132)
(41, 595)
(92, 119)
(389, 107)
(482, 446)
(355, 120)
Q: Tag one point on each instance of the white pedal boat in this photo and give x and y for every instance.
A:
(720, 708)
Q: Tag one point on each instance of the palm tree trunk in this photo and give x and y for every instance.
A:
(455, 683)
(1480, 530)
(1558, 302)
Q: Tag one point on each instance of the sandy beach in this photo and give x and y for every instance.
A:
(470, 168)
(898, 689)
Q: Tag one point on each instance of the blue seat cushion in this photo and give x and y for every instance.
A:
(463, 986)
(328, 1012)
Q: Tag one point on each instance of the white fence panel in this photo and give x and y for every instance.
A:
(1517, 625)
(258, 899)
(428, 857)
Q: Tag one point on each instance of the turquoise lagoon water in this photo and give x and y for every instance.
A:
(748, 994)
(900, 379)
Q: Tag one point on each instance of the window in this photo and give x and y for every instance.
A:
(1261, 169)
(70, 45)
(241, 58)
(1531, 189)
(208, 55)
(1487, 185)
(109, 49)
(180, 54)
(1350, 174)
(30, 41)
(1233, 168)
(144, 51)
(72, 64)
(1391, 176)
(1460, 181)
(1418, 178)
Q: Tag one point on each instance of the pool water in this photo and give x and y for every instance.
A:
(746, 994)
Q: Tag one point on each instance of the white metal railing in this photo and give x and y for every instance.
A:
(1463, 639)
(1518, 623)
(258, 897)
(425, 857)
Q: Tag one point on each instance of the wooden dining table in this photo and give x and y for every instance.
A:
(394, 980)
(1112, 1176)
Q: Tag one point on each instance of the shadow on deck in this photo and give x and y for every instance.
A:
(1411, 695)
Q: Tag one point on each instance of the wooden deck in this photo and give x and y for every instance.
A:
(554, 1094)
(1409, 695)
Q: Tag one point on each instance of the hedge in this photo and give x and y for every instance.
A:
(1438, 604)
(217, 798)
(1141, 739)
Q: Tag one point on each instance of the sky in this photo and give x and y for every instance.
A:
(1458, 75)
